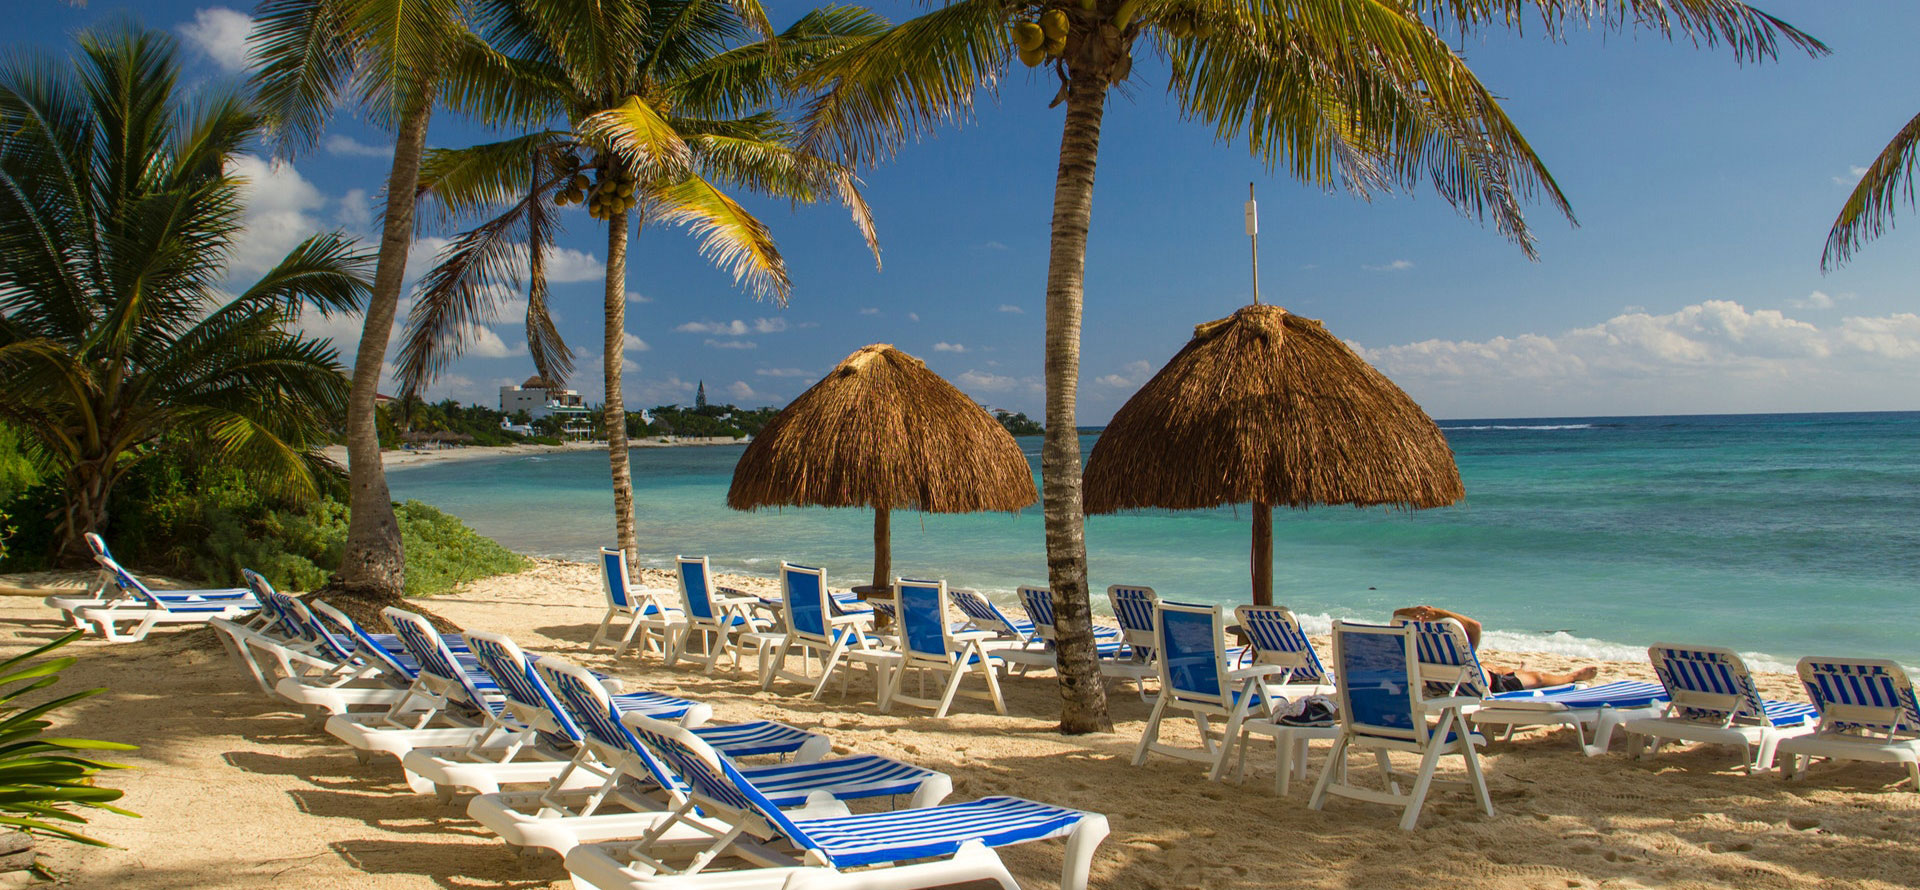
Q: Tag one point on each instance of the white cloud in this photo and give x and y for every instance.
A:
(631, 343)
(948, 347)
(913, 316)
(564, 264)
(342, 144)
(670, 391)
(983, 381)
(484, 343)
(634, 296)
(1395, 266)
(741, 392)
(281, 207)
(1818, 300)
(783, 372)
(735, 328)
(732, 344)
(1135, 373)
(221, 33)
(1713, 356)
(993, 245)
(1009, 307)
(870, 310)
(1852, 177)
(355, 210)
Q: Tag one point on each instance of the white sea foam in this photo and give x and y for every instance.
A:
(1549, 426)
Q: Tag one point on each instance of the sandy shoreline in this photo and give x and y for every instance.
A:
(269, 798)
(400, 459)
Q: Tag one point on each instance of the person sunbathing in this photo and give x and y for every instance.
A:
(1500, 679)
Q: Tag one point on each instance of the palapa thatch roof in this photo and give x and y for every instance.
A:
(1267, 407)
(882, 431)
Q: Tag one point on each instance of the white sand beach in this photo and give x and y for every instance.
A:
(236, 790)
(400, 459)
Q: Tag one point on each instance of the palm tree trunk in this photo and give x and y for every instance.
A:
(616, 409)
(1082, 692)
(374, 564)
(89, 483)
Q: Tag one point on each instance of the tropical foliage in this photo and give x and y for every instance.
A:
(647, 112)
(1361, 94)
(1868, 212)
(117, 211)
(46, 782)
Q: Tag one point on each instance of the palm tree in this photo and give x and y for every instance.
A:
(397, 59)
(1868, 212)
(665, 102)
(1360, 93)
(117, 213)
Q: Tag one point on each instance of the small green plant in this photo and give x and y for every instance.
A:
(43, 779)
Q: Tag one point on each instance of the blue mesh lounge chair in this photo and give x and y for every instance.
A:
(1714, 699)
(645, 609)
(140, 610)
(822, 847)
(1384, 708)
(720, 615)
(1278, 640)
(813, 625)
(929, 646)
(1448, 661)
(1197, 678)
(449, 702)
(1867, 712)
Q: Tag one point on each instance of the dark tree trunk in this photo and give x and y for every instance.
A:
(374, 565)
(1263, 554)
(882, 548)
(616, 409)
(1082, 692)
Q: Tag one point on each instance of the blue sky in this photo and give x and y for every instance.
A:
(1703, 189)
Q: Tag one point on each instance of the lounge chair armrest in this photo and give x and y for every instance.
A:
(1453, 701)
(1258, 670)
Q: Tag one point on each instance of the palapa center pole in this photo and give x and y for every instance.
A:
(1263, 554)
(882, 548)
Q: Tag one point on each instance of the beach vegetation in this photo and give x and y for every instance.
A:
(703, 420)
(119, 327)
(1018, 423)
(650, 112)
(1366, 96)
(51, 782)
(1868, 211)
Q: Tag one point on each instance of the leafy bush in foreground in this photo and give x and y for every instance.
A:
(43, 779)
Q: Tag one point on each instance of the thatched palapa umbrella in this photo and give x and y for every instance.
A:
(1267, 408)
(882, 431)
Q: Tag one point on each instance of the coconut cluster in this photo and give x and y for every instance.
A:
(611, 190)
(1044, 38)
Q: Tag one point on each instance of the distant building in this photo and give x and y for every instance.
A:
(539, 399)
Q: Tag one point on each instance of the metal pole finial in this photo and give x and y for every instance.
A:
(1253, 237)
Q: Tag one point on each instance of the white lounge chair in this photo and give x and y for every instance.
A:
(1133, 606)
(1868, 712)
(811, 624)
(1714, 700)
(143, 610)
(107, 589)
(645, 609)
(1383, 709)
(1197, 679)
(825, 844)
(721, 616)
(1108, 645)
(1278, 640)
(1014, 640)
(450, 703)
(928, 645)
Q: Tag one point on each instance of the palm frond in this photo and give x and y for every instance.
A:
(328, 271)
(303, 53)
(642, 137)
(774, 167)
(730, 237)
(1752, 34)
(551, 356)
(1868, 213)
(465, 181)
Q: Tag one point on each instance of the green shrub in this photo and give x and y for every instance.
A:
(443, 553)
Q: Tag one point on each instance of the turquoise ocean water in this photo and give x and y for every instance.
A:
(1778, 535)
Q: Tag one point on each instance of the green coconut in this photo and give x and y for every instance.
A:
(1055, 24)
(1032, 57)
(1028, 36)
(1056, 45)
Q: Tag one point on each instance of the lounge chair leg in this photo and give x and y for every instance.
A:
(627, 640)
(1477, 775)
(1086, 838)
(1336, 766)
(828, 663)
(993, 686)
(953, 687)
(1763, 760)
(1417, 797)
(600, 633)
(1152, 733)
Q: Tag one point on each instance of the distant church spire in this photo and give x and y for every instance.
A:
(700, 395)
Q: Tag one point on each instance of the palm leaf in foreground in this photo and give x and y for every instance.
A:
(1868, 213)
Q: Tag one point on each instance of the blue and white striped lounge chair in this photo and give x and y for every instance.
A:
(1133, 606)
(812, 625)
(645, 609)
(1714, 700)
(820, 848)
(1197, 677)
(108, 589)
(1383, 709)
(1448, 661)
(558, 819)
(450, 703)
(279, 634)
(1277, 639)
(141, 610)
(1868, 711)
(929, 646)
(1014, 640)
(721, 616)
(543, 744)
(358, 682)
(1107, 643)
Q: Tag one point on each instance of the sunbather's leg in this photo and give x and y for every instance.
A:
(1538, 679)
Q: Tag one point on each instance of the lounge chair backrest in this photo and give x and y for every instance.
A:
(428, 648)
(807, 606)
(1707, 683)
(129, 584)
(1278, 639)
(982, 613)
(713, 780)
(1193, 657)
(1861, 693)
(364, 645)
(614, 581)
(923, 617)
(513, 672)
(337, 645)
(1447, 659)
(696, 585)
(584, 697)
(1133, 608)
(269, 600)
(97, 545)
(1038, 601)
(1379, 689)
